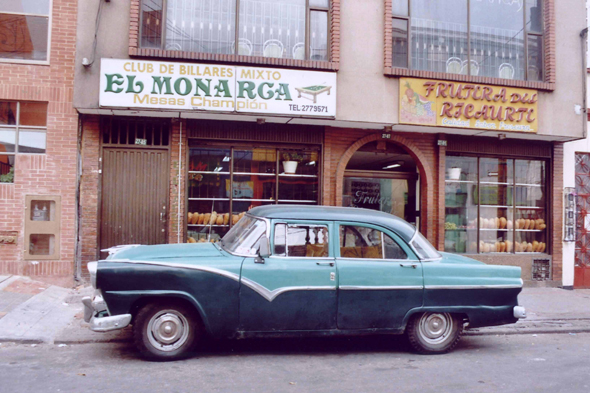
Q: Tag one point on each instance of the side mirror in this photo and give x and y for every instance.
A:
(263, 251)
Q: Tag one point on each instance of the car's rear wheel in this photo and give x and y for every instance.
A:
(432, 333)
(166, 331)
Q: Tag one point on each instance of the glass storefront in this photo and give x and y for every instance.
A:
(495, 205)
(225, 182)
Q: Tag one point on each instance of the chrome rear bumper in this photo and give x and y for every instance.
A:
(92, 309)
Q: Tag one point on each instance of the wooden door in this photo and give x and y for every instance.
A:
(134, 202)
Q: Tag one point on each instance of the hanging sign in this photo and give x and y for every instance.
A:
(467, 105)
(220, 88)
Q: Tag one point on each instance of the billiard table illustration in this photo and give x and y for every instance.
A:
(313, 90)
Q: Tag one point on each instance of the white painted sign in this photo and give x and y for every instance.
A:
(220, 88)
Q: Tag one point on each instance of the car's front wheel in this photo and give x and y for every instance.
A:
(432, 333)
(166, 331)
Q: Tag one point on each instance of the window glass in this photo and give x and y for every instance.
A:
(534, 16)
(23, 37)
(41, 244)
(201, 25)
(244, 238)
(40, 7)
(33, 114)
(32, 141)
(535, 58)
(318, 39)
(6, 168)
(7, 140)
(319, 3)
(497, 39)
(400, 7)
(368, 243)
(273, 28)
(423, 247)
(400, 43)
(7, 113)
(302, 241)
(151, 23)
(439, 35)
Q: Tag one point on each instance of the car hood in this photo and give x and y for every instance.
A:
(169, 252)
(458, 259)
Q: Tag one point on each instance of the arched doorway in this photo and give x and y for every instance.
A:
(383, 176)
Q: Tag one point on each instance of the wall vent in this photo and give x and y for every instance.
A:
(541, 269)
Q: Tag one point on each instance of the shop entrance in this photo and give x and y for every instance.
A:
(382, 176)
(135, 182)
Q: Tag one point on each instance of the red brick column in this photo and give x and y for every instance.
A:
(557, 209)
(177, 183)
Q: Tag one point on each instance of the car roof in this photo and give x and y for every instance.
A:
(332, 213)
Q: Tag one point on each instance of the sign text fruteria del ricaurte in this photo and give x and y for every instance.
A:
(208, 87)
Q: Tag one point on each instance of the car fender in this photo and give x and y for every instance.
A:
(128, 300)
(476, 315)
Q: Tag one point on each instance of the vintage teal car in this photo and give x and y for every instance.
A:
(300, 270)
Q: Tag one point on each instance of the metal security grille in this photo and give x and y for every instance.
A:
(583, 206)
(135, 132)
(541, 269)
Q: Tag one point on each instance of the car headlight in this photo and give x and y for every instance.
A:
(92, 268)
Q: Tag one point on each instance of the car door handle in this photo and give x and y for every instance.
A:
(325, 263)
(412, 265)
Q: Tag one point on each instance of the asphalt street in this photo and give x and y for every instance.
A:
(493, 363)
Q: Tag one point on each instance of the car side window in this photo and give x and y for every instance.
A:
(368, 243)
(302, 241)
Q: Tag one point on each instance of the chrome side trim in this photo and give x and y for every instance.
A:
(472, 286)
(256, 287)
(272, 295)
(378, 288)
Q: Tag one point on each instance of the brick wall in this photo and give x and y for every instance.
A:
(55, 172)
(175, 184)
(556, 223)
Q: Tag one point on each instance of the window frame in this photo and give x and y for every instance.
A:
(333, 52)
(300, 223)
(547, 50)
(49, 29)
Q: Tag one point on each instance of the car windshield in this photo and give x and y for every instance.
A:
(244, 237)
(423, 248)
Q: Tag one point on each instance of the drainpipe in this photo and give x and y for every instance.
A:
(78, 218)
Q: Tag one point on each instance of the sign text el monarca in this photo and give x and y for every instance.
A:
(467, 105)
(213, 87)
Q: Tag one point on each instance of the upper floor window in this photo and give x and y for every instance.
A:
(290, 29)
(24, 29)
(492, 38)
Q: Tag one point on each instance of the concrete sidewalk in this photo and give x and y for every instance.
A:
(34, 312)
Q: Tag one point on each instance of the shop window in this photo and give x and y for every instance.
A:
(495, 39)
(495, 205)
(290, 29)
(224, 183)
(23, 129)
(368, 243)
(24, 28)
(42, 227)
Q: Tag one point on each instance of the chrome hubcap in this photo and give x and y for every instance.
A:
(435, 328)
(168, 330)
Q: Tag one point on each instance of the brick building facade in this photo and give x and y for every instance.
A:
(46, 80)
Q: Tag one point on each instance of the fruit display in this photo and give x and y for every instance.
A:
(450, 225)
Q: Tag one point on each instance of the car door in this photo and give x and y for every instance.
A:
(295, 288)
(380, 278)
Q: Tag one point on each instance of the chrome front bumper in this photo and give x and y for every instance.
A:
(519, 312)
(94, 308)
